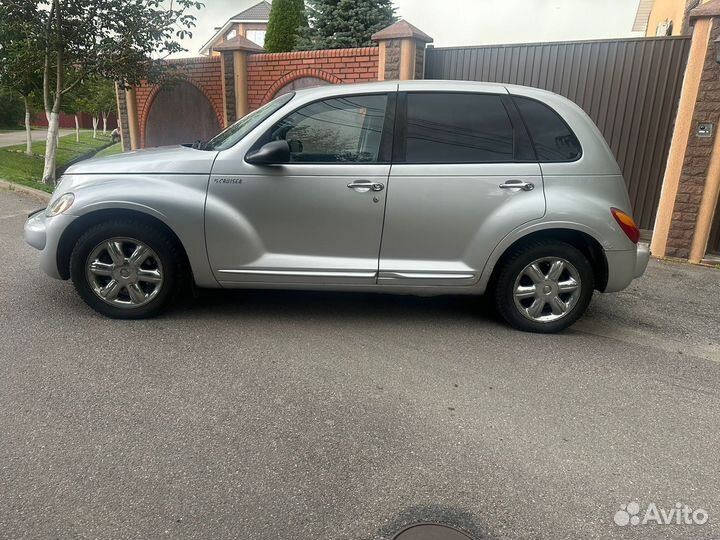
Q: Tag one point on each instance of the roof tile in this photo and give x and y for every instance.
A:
(258, 12)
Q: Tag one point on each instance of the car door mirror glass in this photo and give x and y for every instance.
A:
(272, 153)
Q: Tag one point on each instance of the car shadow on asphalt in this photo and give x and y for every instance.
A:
(333, 305)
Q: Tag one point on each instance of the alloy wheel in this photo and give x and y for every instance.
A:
(124, 272)
(547, 289)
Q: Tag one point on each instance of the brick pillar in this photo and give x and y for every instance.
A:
(233, 56)
(692, 177)
(228, 87)
(122, 118)
(402, 52)
(133, 122)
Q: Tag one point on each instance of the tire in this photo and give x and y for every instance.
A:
(520, 290)
(141, 289)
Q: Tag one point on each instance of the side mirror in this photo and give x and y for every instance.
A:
(272, 153)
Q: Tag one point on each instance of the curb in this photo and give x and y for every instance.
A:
(25, 190)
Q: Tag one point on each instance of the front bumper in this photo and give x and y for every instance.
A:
(44, 234)
(35, 229)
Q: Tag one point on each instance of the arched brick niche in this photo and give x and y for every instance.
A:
(204, 73)
(268, 73)
(178, 114)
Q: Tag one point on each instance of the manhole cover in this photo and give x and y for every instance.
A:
(431, 531)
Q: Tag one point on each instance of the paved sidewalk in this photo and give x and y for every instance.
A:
(12, 138)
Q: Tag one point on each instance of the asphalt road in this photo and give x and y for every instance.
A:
(278, 415)
(11, 138)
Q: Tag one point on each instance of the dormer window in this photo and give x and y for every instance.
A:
(256, 36)
(250, 24)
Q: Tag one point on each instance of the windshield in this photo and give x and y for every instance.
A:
(230, 136)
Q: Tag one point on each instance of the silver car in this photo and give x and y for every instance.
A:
(419, 187)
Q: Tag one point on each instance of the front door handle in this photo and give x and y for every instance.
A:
(518, 184)
(362, 186)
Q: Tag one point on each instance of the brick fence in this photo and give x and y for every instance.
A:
(268, 73)
(243, 77)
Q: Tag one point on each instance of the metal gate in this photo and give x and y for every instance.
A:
(629, 87)
(180, 113)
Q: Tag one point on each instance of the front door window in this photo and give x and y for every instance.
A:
(339, 130)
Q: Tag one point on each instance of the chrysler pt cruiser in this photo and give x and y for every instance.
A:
(421, 187)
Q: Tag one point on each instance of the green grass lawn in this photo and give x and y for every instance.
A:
(110, 150)
(17, 167)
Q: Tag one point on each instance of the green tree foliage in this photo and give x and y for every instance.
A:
(114, 39)
(11, 108)
(344, 24)
(287, 18)
(73, 102)
(21, 59)
(97, 97)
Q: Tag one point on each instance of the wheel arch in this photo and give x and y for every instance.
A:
(581, 240)
(78, 226)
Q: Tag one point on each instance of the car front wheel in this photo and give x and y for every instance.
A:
(544, 287)
(125, 269)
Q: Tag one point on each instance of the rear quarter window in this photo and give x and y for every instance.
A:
(553, 139)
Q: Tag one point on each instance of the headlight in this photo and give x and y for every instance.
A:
(61, 204)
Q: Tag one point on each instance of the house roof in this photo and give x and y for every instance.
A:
(258, 13)
(238, 43)
(708, 9)
(402, 29)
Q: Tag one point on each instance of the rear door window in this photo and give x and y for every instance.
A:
(457, 128)
(553, 139)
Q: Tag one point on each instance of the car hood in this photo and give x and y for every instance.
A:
(166, 159)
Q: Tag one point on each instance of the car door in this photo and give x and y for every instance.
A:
(317, 219)
(464, 175)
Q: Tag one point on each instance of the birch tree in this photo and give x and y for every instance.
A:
(99, 100)
(21, 60)
(74, 103)
(114, 39)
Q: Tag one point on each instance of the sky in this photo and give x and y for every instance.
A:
(474, 22)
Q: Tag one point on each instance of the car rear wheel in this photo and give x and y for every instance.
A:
(544, 287)
(125, 270)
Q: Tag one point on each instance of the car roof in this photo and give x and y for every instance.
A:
(390, 86)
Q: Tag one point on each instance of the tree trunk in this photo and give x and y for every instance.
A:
(77, 129)
(54, 113)
(28, 131)
(51, 148)
(104, 116)
(95, 125)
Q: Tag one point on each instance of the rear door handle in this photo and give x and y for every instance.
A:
(518, 184)
(363, 186)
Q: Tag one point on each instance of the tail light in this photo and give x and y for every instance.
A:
(627, 224)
